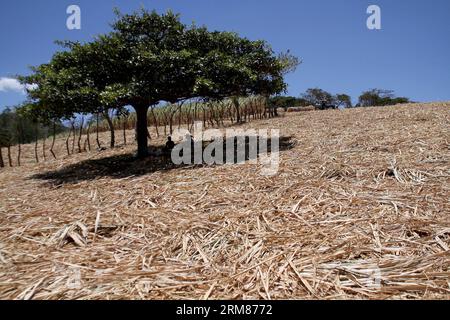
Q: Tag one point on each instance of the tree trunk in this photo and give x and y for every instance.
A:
(195, 110)
(230, 112)
(53, 140)
(156, 122)
(204, 116)
(36, 140)
(124, 127)
(67, 143)
(88, 139)
(98, 141)
(111, 129)
(80, 134)
(194, 117)
(74, 136)
(2, 164)
(141, 130)
(170, 123)
(236, 107)
(165, 124)
(19, 139)
(43, 145)
(9, 156)
(245, 112)
(19, 154)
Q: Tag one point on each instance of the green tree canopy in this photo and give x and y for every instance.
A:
(317, 97)
(379, 97)
(343, 100)
(149, 58)
(18, 125)
(288, 101)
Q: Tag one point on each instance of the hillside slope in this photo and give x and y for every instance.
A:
(359, 209)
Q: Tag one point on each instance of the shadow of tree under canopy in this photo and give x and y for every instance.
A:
(127, 165)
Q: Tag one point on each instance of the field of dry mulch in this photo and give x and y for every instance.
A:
(358, 209)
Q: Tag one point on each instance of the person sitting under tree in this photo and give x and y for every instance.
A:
(169, 147)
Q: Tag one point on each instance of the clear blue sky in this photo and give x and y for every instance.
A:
(409, 55)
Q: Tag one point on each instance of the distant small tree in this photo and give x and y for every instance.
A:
(7, 123)
(379, 97)
(318, 97)
(123, 114)
(287, 102)
(343, 100)
(6, 135)
(400, 100)
(28, 120)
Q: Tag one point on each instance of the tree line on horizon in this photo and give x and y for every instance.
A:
(320, 99)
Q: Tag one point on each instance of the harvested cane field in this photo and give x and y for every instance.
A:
(359, 209)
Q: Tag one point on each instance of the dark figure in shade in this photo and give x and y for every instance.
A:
(169, 147)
